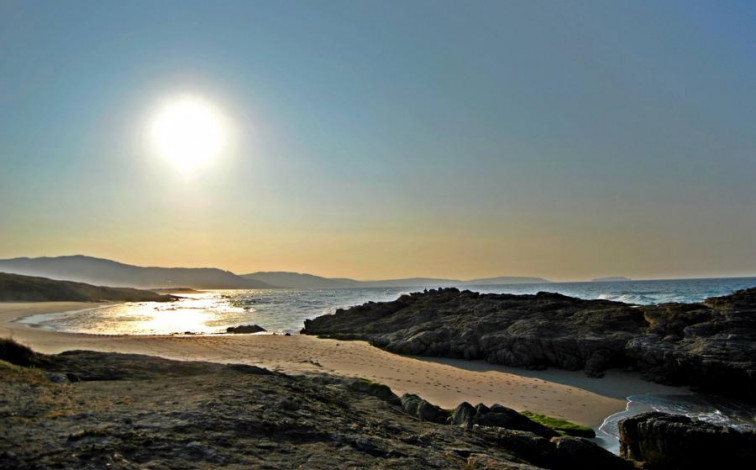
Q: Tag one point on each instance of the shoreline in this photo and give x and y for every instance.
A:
(563, 394)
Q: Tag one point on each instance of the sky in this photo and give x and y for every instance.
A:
(384, 139)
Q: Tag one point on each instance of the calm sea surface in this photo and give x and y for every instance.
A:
(285, 310)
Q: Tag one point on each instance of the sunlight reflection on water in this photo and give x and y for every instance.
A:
(285, 310)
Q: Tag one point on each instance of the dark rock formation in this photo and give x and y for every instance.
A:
(416, 406)
(668, 442)
(557, 453)
(375, 389)
(130, 412)
(711, 345)
(463, 415)
(502, 417)
(245, 329)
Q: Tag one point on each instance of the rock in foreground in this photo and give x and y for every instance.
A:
(711, 344)
(668, 442)
(88, 410)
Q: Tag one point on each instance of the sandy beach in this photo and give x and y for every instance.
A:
(445, 382)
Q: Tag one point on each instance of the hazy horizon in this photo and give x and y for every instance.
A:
(379, 140)
(419, 276)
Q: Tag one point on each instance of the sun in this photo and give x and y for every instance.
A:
(188, 132)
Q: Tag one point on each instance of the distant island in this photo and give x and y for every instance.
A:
(105, 272)
(611, 279)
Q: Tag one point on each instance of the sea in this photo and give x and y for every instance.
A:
(285, 310)
(282, 311)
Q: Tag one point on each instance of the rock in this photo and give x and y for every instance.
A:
(560, 453)
(375, 389)
(503, 417)
(575, 452)
(709, 345)
(497, 416)
(245, 329)
(57, 377)
(662, 441)
(131, 411)
(463, 415)
(416, 406)
(248, 369)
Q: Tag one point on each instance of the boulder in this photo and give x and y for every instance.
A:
(576, 452)
(463, 415)
(559, 453)
(241, 329)
(375, 389)
(661, 441)
(502, 417)
(416, 406)
(497, 416)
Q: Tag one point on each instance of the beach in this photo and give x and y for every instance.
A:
(444, 382)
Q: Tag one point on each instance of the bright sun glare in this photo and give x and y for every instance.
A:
(188, 132)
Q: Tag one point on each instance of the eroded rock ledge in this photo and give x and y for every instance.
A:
(660, 441)
(711, 345)
(89, 410)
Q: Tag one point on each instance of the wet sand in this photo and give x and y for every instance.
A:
(445, 382)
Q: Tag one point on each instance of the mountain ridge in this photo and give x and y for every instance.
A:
(294, 280)
(106, 272)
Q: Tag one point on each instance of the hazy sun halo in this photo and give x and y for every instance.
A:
(188, 132)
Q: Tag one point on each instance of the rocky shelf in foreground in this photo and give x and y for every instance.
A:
(89, 410)
(660, 441)
(711, 345)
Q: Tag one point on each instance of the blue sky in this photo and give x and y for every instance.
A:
(381, 139)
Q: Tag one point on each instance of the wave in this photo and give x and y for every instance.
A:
(710, 408)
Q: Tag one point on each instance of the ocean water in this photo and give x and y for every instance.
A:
(714, 409)
(285, 310)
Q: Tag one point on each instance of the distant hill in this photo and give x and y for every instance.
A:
(14, 287)
(111, 273)
(106, 272)
(411, 282)
(611, 279)
(308, 281)
(300, 280)
(491, 281)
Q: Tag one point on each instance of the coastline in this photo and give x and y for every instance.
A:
(445, 382)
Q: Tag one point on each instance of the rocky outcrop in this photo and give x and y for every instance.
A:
(559, 453)
(661, 441)
(711, 345)
(499, 416)
(467, 416)
(129, 412)
(416, 406)
(242, 329)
